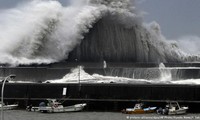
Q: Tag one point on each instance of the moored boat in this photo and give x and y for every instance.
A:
(139, 109)
(173, 108)
(8, 107)
(55, 107)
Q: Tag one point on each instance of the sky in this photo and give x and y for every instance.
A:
(177, 18)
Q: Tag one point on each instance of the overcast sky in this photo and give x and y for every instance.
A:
(176, 17)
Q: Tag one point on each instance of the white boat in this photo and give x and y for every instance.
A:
(55, 107)
(173, 108)
(9, 107)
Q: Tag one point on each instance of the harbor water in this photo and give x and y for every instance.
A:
(24, 115)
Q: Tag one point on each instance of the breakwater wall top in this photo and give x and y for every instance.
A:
(40, 73)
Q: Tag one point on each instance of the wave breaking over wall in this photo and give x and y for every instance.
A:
(46, 32)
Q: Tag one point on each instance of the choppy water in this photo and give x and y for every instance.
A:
(24, 115)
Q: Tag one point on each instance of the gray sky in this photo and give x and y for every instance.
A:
(176, 17)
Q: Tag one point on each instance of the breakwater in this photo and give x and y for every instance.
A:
(40, 73)
(106, 97)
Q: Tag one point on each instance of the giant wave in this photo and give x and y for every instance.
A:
(111, 30)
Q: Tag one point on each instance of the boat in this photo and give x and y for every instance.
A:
(173, 108)
(139, 109)
(9, 107)
(53, 106)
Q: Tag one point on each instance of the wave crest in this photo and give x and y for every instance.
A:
(45, 31)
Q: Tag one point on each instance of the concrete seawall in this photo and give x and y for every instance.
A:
(104, 96)
(179, 71)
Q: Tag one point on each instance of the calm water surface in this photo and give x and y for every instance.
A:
(24, 115)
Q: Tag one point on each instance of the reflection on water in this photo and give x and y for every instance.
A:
(24, 115)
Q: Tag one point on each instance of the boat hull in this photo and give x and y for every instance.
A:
(178, 112)
(9, 107)
(73, 108)
(139, 111)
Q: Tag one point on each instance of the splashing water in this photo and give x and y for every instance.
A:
(45, 31)
(165, 74)
(73, 77)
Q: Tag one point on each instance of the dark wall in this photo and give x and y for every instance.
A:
(104, 97)
(34, 74)
(104, 91)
